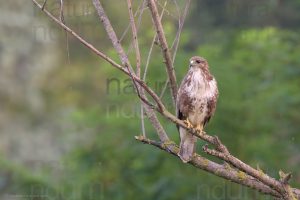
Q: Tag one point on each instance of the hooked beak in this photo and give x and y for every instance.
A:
(191, 63)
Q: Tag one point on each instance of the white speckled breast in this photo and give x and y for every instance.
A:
(199, 92)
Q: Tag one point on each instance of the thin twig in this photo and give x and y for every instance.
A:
(44, 4)
(138, 58)
(113, 37)
(141, 10)
(111, 33)
(62, 19)
(152, 44)
(164, 47)
(143, 121)
(167, 11)
(138, 25)
(177, 39)
(124, 59)
(177, 8)
(135, 39)
(83, 41)
(102, 55)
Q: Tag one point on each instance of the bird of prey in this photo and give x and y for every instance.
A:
(196, 103)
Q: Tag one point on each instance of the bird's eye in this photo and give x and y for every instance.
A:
(198, 61)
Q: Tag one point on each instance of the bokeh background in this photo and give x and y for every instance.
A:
(68, 119)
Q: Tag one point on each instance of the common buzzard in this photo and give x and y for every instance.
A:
(195, 104)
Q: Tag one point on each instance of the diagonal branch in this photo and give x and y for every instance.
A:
(152, 45)
(135, 39)
(224, 171)
(111, 33)
(139, 10)
(138, 59)
(165, 49)
(264, 178)
(118, 47)
(125, 61)
(80, 39)
(177, 38)
(102, 55)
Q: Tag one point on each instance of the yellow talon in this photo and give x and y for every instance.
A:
(199, 128)
(188, 123)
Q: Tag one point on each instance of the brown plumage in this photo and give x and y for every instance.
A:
(196, 103)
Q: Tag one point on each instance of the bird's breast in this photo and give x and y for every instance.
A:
(199, 92)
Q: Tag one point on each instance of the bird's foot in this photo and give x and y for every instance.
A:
(188, 123)
(199, 129)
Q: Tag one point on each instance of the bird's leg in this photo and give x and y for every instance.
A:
(199, 128)
(188, 123)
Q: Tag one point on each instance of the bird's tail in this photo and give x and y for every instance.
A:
(187, 145)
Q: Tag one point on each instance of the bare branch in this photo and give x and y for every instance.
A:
(223, 171)
(135, 39)
(62, 19)
(83, 41)
(124, 59)
(152, 44)
(142, 120)
(61, 12)
(144, 5)
(111, 33)
(44, 4)
(141, 10)
(177, 38)
(164, 47)
(102, 55)
(138, 60)
(180, 27)
(264, 178)
(118, 47)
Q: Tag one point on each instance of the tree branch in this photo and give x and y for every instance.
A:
(111, 33)
(124, 59)
(165, 49)
(264, 178)
(135, 39)
(224, 171)
(177, 38)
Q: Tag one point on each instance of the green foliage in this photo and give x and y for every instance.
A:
(257, 116)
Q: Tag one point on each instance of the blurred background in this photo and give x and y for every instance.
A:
(68, 119)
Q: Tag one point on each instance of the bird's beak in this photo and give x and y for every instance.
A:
(191, 63)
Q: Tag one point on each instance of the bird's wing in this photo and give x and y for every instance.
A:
(181, 105)
(211, 106)
(179, 112)
(180, 116)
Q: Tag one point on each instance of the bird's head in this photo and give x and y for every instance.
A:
(198, 62)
